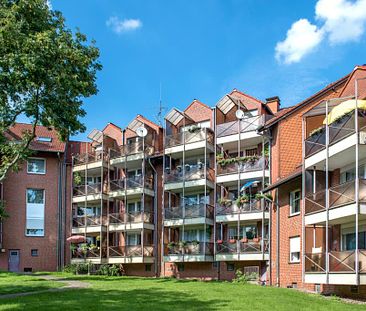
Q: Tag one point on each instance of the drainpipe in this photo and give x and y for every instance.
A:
(277, 240)
(155, 217)
(59, 213)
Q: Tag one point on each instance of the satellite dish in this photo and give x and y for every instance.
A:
(239, 114)
(141, 131)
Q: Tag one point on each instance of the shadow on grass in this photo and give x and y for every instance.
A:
(123, 299)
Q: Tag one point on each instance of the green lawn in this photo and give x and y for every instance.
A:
(128, 293)
(11, 283)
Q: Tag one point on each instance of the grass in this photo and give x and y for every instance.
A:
(129, 293)
(11, 283)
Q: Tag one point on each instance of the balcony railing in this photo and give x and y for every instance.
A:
(189, 174)
(82, 190)
(189, 248)
(246, 125)
(189, 211)
(84, 158)
(339, 195)
(88, 253)
(136, 217)
(130, 183)
(131, 149)
(255, 164)
(87, 221)
(188, 137)
(131, 251)
(253, 206)
(338, 130)
(339, 262)
(242, 247)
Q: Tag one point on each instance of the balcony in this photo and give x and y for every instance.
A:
(342, 203)
(131, 187)
(95, 255)
(130, 254)
(129, 155)
(87, 224)
(229, 132)
(131, 221)
(188, 252)
(89, 161)
(342, 267)
(342, 141)
(189, 177)
(229, 170)
(190, 141)
(229, 211)
(256, 249)
(189, 215)
(89, 192)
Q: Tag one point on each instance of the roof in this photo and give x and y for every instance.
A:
(16, 132)
(294, 174)
(283, 113)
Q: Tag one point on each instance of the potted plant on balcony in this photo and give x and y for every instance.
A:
(242, 200)
(171, 245)
(225, 202)
(182, 244)
(219, 242)
(316, 133)
(232, 241)
(267, 197)
(194, 129)
(77, 179)
(244, 240)
(195, 242)
(219, 157)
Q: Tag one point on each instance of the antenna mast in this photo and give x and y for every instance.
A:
(159, 116)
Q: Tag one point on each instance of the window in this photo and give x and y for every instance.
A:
(134, 207)
(230, 266)
(35, 212)
(251, 152)
(148, 268)
(295, 249)
(295, 197)
(133, 239)
(34, 252)
(36, 166)
(180, 267)
(247, 231)
(349, 239)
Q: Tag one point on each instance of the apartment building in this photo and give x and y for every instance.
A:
(188, 200)
(33, 237)
(314, 184)
(115, 198)
(242, 171)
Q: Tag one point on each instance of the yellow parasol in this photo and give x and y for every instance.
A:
(344, 108)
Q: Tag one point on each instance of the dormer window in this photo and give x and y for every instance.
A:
(44, 139)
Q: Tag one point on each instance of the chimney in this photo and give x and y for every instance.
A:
(273, 103)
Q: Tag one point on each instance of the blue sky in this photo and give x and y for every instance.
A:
(203, 49)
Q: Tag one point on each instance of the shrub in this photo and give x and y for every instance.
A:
(103, 270)
(108, 270)
(70, 268)
(244, 278)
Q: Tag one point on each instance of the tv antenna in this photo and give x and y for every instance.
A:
(159, 116)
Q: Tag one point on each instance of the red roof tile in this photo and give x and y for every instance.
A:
(17, 131)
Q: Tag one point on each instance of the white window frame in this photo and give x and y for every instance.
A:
(26, 213)
(292, 213)
(37, 173)
(296, 250)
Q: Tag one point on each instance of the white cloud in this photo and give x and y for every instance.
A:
(340, 21)
(301, 38)
(344, 21)
(123, 26)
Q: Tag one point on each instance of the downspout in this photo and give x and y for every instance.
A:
(155, 217)
(277, 241)
(59, 213)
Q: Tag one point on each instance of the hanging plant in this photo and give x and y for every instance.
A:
(3, 213)
(268, 196)
(194, 129)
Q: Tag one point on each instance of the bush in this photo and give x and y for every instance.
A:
(244, 278)
(108, 270)
(79, 268)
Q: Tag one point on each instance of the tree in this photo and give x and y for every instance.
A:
(46, 71)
